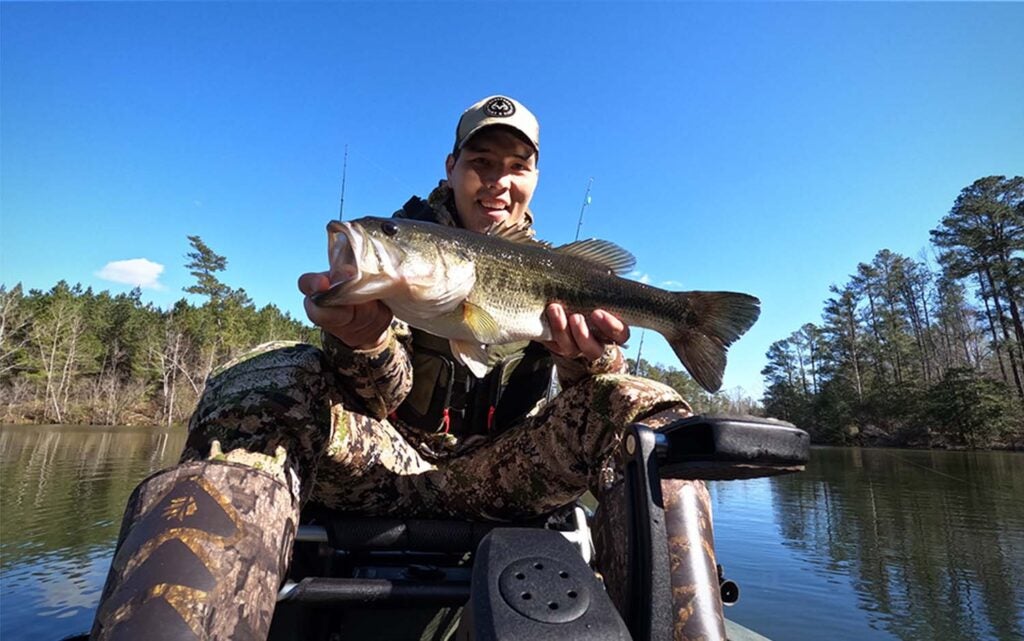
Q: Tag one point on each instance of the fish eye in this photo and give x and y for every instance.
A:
(389, 228)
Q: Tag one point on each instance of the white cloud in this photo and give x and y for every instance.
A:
(139, 272)
(671, 284)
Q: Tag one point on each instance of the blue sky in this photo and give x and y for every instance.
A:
(765, 148)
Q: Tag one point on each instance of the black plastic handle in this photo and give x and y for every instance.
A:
(714, 447)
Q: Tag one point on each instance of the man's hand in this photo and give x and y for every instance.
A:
(362, 326)
(572, 336)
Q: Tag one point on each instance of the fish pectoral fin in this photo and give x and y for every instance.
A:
(471, 354)
(481, 323)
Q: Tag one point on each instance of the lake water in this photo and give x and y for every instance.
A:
(866, 544)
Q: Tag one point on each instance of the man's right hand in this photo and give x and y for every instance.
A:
(362, 326)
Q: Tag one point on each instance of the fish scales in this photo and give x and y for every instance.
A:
(538, 276)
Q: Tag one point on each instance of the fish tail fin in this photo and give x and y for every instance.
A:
(722, 317)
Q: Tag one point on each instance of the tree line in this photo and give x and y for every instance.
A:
(735, 401)
(72, 355)
(914, 351)
(908, 351)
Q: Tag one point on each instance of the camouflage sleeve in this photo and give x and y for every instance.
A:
(573, 370)
(374, 381)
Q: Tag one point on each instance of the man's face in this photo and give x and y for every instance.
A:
(493, 179)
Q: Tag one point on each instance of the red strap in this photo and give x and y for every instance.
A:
(490, 418)
(447, 420)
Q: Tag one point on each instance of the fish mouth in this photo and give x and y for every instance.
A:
(344, 246)
(362, 267)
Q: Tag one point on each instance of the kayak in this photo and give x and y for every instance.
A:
(358, 577)
(641, 566)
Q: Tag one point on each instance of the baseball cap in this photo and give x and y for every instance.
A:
(498, 110)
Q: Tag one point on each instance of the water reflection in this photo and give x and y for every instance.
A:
(929, 545)
(62, 492)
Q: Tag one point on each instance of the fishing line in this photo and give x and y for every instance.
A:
(925, 467)
(369, 159)
(1006, 493)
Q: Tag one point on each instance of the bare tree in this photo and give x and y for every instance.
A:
(55, 334)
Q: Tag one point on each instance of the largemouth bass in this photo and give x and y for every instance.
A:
(487, 289)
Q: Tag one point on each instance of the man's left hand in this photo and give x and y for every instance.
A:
(573, 335)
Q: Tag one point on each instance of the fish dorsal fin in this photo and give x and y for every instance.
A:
(520, 232)
(603, 253)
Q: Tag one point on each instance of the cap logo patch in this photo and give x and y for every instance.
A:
(499, 107)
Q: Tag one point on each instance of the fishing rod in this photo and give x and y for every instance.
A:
(344, 171)
(586, 201)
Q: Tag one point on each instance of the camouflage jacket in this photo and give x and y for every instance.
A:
(376, 382)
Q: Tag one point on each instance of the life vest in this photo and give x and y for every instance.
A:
(446, 397)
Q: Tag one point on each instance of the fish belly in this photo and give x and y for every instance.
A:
(524, 324)
(445, 321)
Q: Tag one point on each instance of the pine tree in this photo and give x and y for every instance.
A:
(204, 264)
(983, 237)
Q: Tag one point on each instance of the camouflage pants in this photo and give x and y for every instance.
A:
(278, 411)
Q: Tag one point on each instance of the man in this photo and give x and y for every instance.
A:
(383, 420)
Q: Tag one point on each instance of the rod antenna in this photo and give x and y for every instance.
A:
(586, 201)
(344, 171)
